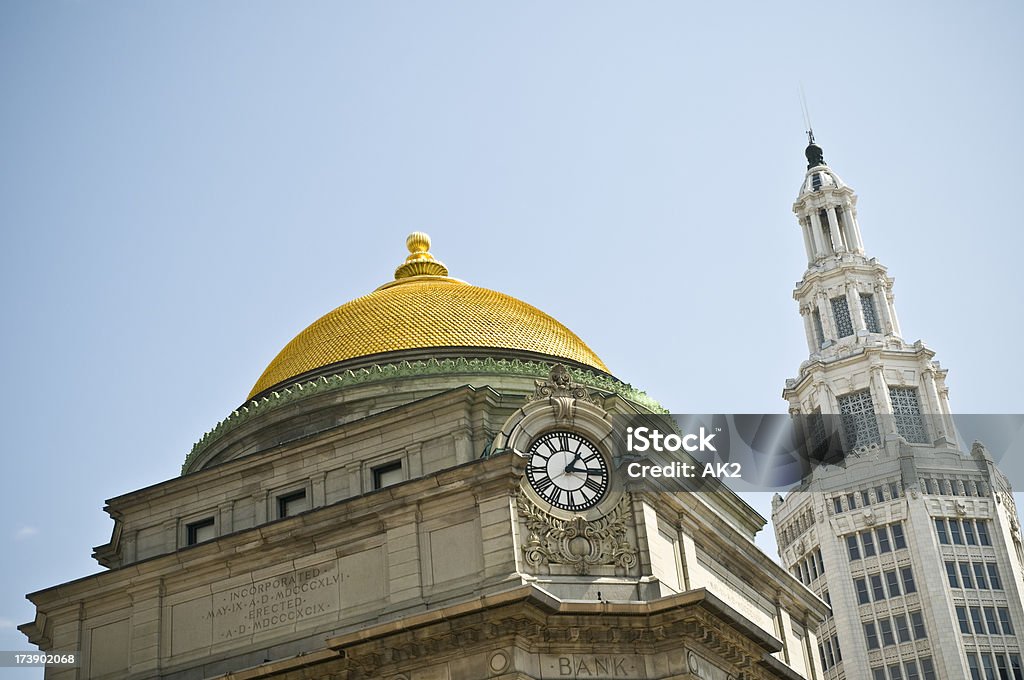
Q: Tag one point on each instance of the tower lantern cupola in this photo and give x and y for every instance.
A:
(845, 297)
(826, 208)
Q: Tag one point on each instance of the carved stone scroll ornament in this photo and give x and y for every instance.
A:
(578, 542)
(562, 393)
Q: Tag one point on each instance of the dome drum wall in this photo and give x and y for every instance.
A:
(318, 412)
(358, 389)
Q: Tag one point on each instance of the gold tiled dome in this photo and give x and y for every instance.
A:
(424, 308)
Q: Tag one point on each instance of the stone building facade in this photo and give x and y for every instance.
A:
(913, 541)
(422, 485)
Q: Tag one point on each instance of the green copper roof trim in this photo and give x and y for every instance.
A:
(411, 369)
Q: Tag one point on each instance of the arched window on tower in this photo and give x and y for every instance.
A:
(826, 233)
(867, 305)
(819, 332)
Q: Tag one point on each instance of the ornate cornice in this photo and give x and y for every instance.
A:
(615, 630)
(408, 369)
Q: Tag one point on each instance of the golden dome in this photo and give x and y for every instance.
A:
(424, 308)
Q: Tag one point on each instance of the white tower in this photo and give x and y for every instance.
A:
(913, 541)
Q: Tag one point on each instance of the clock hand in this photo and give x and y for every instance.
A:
(572, 463)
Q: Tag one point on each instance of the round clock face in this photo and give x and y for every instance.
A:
(567, 471)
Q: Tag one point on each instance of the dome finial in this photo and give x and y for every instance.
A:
(419, 262)
(814, 153)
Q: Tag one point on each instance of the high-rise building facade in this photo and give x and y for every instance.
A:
(912, 540)
(422, 485)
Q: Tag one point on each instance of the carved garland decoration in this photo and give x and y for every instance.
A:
(577, 542)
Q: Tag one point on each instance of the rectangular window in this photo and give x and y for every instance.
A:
(961, 617)
(841, 314)
(979, 627)
(902, 629)
(837, 505)
(852, 547)
(954, 532)
(906, 410)
(911, 667)
(927, 669)
(292, 504)
(1004, 672)
(877, 591)
(857, 413)
(897, 537)
(851, 501)
(965, 575)
(199, 532)
(885, 625)
(892, 582)
(954, 582)
(883, 539)
(865, 499)
(869, 544)
(979, 576)
(986, 662)
(969, 533)
(990, 619)
(940, 530)
(386, 475)
(908, 580)
(867, 303)
(821, 562)
(861, 586)
(879, 494)
(1004, 620)
(972, 664)
(917, 619)
(1018, 669)
(894, 491)
(993, 577)
(878, 674)
(895, 673)
(870, 635)
(982, 527)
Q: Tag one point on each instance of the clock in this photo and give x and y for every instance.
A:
(567, 471)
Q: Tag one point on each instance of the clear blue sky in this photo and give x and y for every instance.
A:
(186, 185)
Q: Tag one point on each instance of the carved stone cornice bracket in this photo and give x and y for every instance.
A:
(561, 392)
(578, 542)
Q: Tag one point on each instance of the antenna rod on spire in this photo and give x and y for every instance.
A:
(807, 116)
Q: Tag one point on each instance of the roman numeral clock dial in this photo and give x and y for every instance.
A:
(567, 471)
